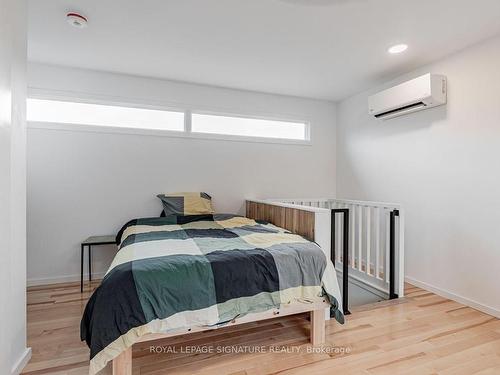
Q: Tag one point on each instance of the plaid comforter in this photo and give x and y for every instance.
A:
(199, 271)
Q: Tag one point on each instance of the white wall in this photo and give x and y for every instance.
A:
(13, 351)
(442, 166)
(90, 183)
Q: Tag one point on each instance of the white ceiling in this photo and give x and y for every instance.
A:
(326, 49)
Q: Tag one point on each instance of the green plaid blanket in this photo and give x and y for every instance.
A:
(173, 273)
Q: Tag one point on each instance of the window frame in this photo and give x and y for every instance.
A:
(163, 106)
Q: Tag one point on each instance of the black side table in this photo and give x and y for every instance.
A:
(89, 242)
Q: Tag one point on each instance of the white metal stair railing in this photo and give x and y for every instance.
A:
(375, 229)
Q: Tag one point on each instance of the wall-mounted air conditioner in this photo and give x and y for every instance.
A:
(424, 92)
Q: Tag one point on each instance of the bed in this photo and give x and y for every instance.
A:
(203, 272)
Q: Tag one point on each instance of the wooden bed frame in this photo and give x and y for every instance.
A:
(301, 221)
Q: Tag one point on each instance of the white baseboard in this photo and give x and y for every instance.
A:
(455, 297)
(21, 362)
(62, 279)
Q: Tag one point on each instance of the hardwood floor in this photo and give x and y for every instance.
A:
(422, 334)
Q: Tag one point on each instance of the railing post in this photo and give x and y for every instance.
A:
(392, 254)
(345, 255)
(345, 264)
(332, 238)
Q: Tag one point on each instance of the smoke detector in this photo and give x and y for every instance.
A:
(76, 20)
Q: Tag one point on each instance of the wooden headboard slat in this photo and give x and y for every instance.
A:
(293, 219)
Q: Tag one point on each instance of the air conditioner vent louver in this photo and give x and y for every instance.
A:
(402, 109)
(420, 93)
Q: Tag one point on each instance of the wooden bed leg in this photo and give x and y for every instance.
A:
(122, 365)
(318, 327)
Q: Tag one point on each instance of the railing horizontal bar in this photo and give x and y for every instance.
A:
(368, 203)
(387, 205)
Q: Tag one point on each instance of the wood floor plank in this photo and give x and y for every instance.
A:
(420, 334)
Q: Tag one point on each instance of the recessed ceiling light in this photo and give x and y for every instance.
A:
(398, 48)
(76, 20)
